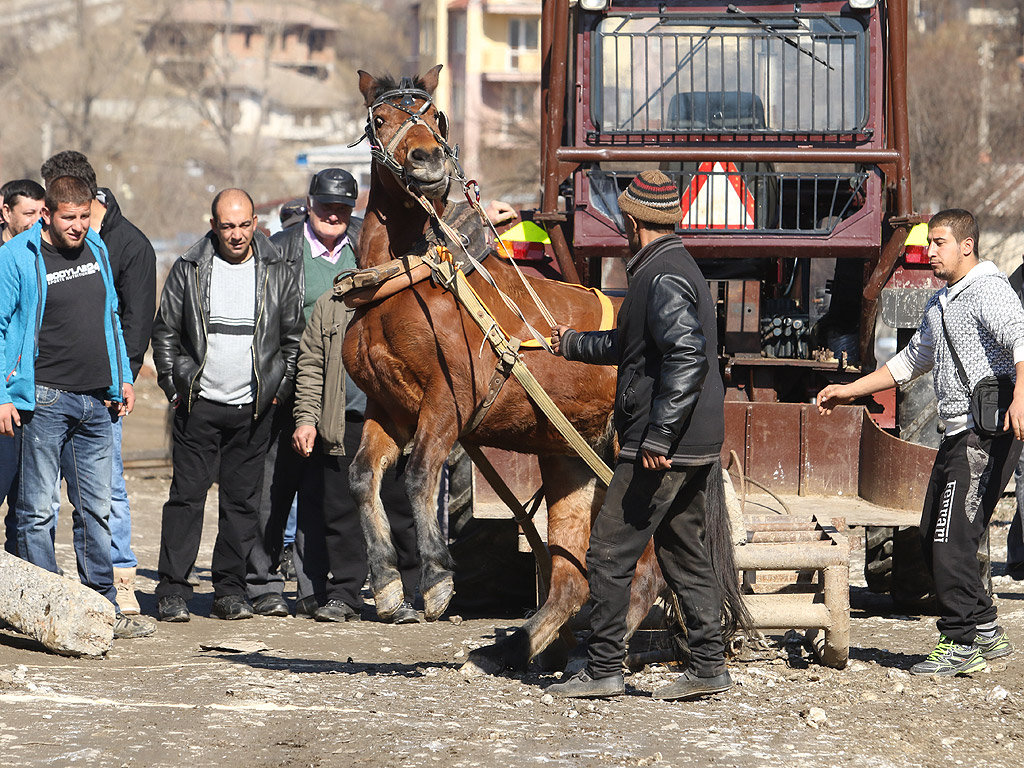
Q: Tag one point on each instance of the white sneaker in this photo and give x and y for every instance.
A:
(124, 583)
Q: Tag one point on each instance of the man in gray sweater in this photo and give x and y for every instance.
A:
(985, 322)
(225, 342)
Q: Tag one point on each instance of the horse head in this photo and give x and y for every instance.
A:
(407, 133)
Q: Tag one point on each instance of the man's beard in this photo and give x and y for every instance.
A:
(60, 241)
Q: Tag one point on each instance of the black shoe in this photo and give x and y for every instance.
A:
(231, 607)
(172, 608)
(689, 686)
(271, 604)
(287, 567)
(336, 610)
(306, 607)
(405, 614)
(583, 686)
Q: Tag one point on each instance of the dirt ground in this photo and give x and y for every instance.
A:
(376, 695)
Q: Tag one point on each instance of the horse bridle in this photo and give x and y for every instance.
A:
(404, 99)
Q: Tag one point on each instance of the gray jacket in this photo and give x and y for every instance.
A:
(320, 383)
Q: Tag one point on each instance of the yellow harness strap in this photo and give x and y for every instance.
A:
(607, 317)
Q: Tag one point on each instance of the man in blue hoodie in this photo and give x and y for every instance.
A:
(66, 377)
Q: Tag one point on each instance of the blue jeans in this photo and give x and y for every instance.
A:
(71, 434)
(120, 511)
(8, 478)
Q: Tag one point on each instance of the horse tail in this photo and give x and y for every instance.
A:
(718, 541)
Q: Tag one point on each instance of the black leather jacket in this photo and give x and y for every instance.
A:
(180, 329)
(289, 241)
(669, 394)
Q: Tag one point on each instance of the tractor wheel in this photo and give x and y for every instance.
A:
(878, 558)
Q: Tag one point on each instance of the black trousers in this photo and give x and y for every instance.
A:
(670, 506)
(284, 472)
(329, 553)
(211, 430)
(968, 477)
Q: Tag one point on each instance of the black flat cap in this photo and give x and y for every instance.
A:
(333, 185)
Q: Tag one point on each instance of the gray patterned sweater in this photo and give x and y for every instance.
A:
(986, 322)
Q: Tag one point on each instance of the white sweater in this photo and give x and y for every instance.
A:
(986, 322)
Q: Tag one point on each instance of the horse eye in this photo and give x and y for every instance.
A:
(378, 121)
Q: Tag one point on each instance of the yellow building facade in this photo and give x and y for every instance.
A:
(490, 85)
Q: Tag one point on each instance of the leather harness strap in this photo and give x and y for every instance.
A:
(502, 370)
(452, 278)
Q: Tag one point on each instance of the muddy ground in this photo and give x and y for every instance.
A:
(370, 694)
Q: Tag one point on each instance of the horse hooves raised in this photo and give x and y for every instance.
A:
(437, 597)
(389, 599)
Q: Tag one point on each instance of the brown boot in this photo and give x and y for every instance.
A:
(124, 582)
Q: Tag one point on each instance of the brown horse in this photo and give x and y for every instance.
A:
(425, 369)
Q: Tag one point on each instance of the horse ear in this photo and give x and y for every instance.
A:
(367, 85)
(429, 80)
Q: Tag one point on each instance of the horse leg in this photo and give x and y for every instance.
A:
(377, 451)
(573, 496)
(648, 583)
(422, 480)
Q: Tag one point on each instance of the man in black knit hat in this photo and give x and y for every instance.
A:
(670, 422)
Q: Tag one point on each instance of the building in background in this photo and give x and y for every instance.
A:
(490, 87)
(252, 67)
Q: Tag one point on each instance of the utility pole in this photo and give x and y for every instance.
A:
(985, 59)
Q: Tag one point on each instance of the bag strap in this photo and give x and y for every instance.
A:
(956, 358)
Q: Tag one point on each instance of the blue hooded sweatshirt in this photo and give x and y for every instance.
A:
(22, 303)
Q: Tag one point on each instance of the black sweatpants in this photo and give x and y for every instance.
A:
(968, 477)
(199, 436)
(670, 506)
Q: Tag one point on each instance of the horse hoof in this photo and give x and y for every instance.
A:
(479, 663)
(389, 599)
(437, 597)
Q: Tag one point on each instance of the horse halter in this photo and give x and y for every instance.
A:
(404, 99)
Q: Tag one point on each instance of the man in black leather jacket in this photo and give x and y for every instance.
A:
(670, 422)
(225, 343)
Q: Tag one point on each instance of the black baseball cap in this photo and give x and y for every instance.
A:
(293, 212)
(333, 185)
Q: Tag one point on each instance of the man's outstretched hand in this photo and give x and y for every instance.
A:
(831, 396)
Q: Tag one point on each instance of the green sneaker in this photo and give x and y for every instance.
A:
(994, 647)
(950, 659)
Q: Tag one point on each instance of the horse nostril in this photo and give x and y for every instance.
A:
(419, 155)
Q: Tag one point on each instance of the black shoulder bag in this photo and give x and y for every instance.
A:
(991, 397)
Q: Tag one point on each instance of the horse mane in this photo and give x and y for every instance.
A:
(389, 82)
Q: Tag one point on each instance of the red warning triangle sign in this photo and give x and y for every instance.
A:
(718, 198)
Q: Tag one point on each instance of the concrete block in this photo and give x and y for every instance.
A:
(64, 615)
